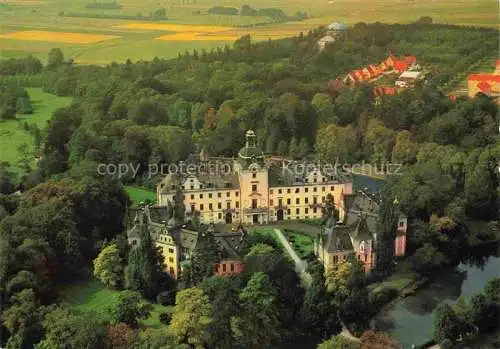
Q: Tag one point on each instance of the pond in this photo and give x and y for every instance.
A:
(410, 320)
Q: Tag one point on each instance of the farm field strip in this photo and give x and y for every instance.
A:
(174, 27)
(58, 37)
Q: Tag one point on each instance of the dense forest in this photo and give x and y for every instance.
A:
(286, 90)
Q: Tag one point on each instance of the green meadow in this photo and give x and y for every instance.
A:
(12, 133)
(138, 195)
(92, 296)
(19, 18)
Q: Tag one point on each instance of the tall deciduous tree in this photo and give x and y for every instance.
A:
(191, 317)
(319, 313)
(64, 329)
(23, 319)
(257, 325)
(130, 308)
(445, 323)
(108, 267)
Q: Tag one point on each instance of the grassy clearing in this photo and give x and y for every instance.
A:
(92, 296)
(13, 135)
(402, 277)
(301, 243)
(138, 195)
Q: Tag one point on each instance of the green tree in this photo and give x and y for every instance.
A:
(338, 342)
(405, 150)
(223, 295)
(492, 290)
(293, 150)
(191, 318)
(282, 148)
(205, 257)
(257, 325)
(23, 106)
(145, 270)
(386, 235)
(108, 267)
(23, 318)
(324, 108)
(130, 308)
(335, 142)
(55, 58)
(64, 329)
(445, 323)
(319, 313)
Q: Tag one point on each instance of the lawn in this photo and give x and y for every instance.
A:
(402, 277)
(13, 135)
(92, 296)
(138, 195)
(301, 243)
(48, 16)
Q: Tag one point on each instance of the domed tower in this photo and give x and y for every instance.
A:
(338, 31)
(254, 182)
(250, 155)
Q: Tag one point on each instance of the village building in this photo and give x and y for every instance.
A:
(357, 233)
(255, 191)
(335, 32)
(409, 79)
(488, 84)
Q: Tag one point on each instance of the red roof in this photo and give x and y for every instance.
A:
(485, 77)
(497, 63)
(400, 66)
(373, 71)
(410, 59)
(484, 86)
(384, 90)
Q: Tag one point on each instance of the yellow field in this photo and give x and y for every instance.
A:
(22, 2)
(197, 37)
(60, 37)
(182, 28)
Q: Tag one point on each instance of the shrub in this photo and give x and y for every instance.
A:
(383, 296)
(165, 318)
(166, 297)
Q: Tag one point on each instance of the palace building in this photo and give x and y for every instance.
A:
(256, 190)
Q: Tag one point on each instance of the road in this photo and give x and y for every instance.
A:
(300, 265)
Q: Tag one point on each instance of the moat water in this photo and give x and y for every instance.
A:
(410, 320)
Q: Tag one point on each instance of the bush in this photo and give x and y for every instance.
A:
(166, 297)
(383, 296)
(220, 10)
(165, 318)
(104, 5)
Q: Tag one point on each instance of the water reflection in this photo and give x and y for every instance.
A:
(410, 320)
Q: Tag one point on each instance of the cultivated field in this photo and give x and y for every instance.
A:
(36, 26)
(58, 37)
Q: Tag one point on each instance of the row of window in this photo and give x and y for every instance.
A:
(297, 190)
(224, 267)
(297, 201)
(219, 206)
(219, 195)
(306, 211)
